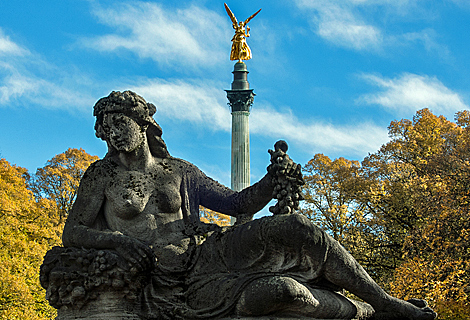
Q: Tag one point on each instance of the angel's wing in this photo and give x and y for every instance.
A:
(251, 17)
(230, 14)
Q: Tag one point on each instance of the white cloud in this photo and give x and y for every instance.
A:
(350, 34)
(14, 85)
(181, 37)
(462, 3)
(338, 22)
(32, 90)
(427, 38)
(28, 79)
(411, 92)
(358, 139)
(8, 47)
(198, 102)
(203, 103)
(359, 24)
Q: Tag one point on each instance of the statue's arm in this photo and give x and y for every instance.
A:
(81, 228)
(250, 200)
(78, 230)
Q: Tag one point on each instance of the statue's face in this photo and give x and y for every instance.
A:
(122, 132)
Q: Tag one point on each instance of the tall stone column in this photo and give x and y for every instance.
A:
(240, 100)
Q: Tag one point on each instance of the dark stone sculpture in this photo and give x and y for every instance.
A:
(134, 247)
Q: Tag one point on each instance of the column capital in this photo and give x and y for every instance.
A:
(240, 100)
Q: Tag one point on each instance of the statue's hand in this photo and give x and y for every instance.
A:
(282, 164)
(286, 178)
(139, 256)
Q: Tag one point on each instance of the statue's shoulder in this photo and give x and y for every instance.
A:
(103, 168)
(187, 170)
(182, 164)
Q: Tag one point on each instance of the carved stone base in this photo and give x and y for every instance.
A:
(273, 318)
(90, 284)
(107, 305)
(101, 316)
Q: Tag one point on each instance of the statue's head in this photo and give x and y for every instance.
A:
(135, 107)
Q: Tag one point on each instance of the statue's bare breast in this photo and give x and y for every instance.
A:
(146, 206)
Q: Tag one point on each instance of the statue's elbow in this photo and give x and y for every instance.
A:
(66, 241)
(67, 235)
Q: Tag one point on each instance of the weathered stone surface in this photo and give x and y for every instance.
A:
(81, 282)
(109, 305)
(135, 248)
(273, 318)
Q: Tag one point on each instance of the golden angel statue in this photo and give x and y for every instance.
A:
(240, 50)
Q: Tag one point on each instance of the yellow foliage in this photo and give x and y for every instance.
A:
(30, 226)
(210, 216)
(330, 191)
(27, 230)
(413, 193)
(60, 178)
(443, 284)
(427, 181)
(338, 200)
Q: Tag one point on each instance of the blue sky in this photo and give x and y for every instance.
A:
(329, 75)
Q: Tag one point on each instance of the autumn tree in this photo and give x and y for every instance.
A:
(330, 195)
(414, 196)
(210, 216)
(335, 200)
(438, 151)
(28, 228)
(59, 179)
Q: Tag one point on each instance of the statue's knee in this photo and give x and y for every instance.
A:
(271, 294)
(284, 290)
(294, 229)
(299, 220)
(296, 222)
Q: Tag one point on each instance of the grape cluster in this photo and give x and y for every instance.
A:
(287, 180)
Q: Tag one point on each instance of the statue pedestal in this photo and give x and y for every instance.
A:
(107, 305)
(91, 284)
(274, 318)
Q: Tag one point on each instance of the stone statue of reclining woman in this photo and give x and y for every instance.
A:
(144, 204)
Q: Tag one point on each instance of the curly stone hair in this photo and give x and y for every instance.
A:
(135, 107)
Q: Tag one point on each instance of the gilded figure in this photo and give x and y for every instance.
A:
(240, 49)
